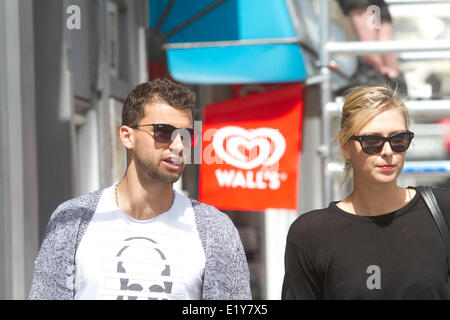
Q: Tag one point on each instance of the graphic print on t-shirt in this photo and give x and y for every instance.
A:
(157, 261)
(139, 268)
(120, 258)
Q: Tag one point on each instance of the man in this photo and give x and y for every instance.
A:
(140, 239)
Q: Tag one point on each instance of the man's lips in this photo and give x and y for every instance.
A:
(174, 161)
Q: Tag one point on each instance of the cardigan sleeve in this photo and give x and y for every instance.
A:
(49, 277)
(226, 270)
(54, 268)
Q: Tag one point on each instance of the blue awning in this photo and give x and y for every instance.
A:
(235, 41)
(229, 21)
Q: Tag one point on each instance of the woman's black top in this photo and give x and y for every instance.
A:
(333, 254)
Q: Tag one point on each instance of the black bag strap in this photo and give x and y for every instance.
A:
(430, 200)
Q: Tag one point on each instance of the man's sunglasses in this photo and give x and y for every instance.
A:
(165, 133)
(373, 144)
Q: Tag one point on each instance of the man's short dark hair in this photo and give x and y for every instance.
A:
(158, 90)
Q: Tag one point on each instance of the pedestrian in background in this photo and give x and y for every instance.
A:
(372, 21)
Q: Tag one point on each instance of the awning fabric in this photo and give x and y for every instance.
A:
(187, 21)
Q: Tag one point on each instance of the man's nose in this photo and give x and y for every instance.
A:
(176, 146)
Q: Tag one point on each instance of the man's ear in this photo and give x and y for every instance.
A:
(126, 135)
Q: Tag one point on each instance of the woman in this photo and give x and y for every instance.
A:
(380, 242)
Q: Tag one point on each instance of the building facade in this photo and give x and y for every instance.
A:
(66, 67)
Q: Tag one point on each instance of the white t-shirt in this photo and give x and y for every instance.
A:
(122, 258)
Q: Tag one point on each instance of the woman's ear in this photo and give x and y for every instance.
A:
(345, 149)
(126, 135)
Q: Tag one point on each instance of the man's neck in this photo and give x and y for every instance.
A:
(144, 201)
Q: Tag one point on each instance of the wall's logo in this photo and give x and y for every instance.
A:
(374, 281)
(251, 150)
(248, 149)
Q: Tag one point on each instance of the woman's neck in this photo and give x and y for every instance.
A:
(375, 200)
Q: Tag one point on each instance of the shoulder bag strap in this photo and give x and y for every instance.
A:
(430, 200)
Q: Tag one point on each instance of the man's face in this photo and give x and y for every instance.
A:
(162, 162)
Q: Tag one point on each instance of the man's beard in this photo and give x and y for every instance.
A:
(155, 173)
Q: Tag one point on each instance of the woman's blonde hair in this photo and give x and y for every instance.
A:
(361, 105)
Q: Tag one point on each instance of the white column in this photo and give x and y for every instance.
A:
(18, 189)
(277, 223)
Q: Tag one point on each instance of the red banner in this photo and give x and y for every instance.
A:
(251, 151)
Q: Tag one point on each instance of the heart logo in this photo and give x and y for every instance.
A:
(229, 141)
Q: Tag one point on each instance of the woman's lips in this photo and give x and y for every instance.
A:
(386, 167)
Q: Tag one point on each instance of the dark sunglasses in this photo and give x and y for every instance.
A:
(373, 144)
(165, 133)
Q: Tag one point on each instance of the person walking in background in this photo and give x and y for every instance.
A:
(380, 242)
(372, 21)
(139, 238)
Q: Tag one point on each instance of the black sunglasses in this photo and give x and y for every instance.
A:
(165, 133)
(373, 144)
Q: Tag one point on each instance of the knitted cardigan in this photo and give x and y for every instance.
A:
(226, 275)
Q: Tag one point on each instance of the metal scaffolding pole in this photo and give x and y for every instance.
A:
(364, 47)
(425, 109)
(391, 2)
(325, 94)
(18, 174)
(436, 168)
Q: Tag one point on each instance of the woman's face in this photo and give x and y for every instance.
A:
(385, 166)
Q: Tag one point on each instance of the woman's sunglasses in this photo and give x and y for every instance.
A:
(373, 144)
(165, 133)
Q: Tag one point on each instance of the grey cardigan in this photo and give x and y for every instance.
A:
(226, 275)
